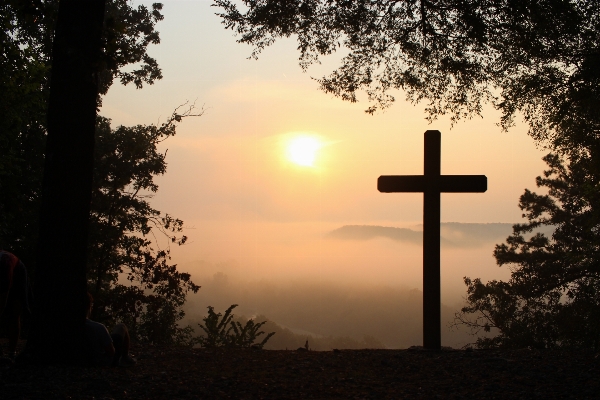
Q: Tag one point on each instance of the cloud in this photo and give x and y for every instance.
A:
(453, 234)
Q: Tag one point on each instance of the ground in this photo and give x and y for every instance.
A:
(177, 373)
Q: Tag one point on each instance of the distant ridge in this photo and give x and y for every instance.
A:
(454, 234)
(366, 232)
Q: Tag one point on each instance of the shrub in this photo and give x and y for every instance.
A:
(221, 331)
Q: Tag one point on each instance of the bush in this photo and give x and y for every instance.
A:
(221, 331)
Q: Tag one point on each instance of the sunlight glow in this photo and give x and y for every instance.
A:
(302, 150)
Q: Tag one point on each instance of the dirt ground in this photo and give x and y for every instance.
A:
(177, 373)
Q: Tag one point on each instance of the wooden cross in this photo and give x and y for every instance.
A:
(431, 184)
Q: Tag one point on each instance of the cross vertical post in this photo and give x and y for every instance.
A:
(432, 184)
(432, 334)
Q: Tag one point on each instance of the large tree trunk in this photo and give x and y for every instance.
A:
(60, 276)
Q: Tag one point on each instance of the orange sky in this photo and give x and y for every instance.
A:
(249, 207)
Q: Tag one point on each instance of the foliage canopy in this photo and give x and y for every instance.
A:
(537, 57)
(122, 220)
(26, 36)
(126, 161)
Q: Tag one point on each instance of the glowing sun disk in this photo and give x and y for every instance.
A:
(302, 150)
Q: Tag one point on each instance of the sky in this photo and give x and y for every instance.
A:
(250, 211)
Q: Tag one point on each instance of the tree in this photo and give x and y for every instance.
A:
(22, 136)
(552, 298)
(537, 57)
(57, 333)
(127, 159)
(27, 33)
(83, 65)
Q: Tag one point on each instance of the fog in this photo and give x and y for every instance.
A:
(391, 315)
(453, 234)
(352, 281)
(316, 249)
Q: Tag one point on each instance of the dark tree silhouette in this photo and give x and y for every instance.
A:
(539, 58)
(27, 37)
(552, 298)
(122, 221)
(59, 313)
(127, 159)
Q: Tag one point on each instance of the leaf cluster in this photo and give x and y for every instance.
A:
(127, 32)
(27, 30)
(123, 227)
(123, 224)
(22, 136)
(539, 58)
(552, 296)
(221, 331)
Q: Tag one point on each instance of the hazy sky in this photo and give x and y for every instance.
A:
(253, 212)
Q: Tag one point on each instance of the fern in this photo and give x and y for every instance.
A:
(221, 331)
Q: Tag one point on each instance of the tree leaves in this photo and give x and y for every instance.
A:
(537, 58)
(27, 34)
(552, 298)
(122, 220)
(223, 331)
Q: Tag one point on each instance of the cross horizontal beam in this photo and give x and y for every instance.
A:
(432, 183)
(441, 183)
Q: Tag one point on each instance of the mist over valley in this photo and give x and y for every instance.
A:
(454, 234)
(328, 314)
(356, 286)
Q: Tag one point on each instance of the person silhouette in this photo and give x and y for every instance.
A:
(106, 349)
(14, 297)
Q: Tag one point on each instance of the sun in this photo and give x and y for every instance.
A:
(302, 150)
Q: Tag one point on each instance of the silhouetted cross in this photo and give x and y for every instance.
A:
(431, 184)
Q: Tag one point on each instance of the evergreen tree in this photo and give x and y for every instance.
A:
(553, 296)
